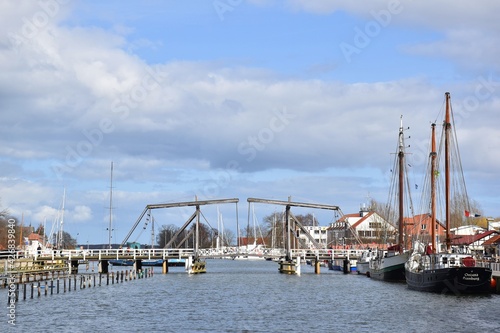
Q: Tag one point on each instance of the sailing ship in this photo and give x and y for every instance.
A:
(449, 269)
(388, 265)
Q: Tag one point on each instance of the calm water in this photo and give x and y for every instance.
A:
(251, 296)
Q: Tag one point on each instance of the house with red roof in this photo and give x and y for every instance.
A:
(366, 225)
(474, 242)
(492, 247)
(421, 226)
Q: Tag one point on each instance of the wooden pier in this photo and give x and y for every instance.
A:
(31, 284)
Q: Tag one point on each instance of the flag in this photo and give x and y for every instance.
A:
(469, 214)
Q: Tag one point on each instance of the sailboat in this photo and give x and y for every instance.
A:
(389, 265)
(114, 262)
(449, 270)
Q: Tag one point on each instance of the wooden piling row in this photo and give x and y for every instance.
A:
(84, 281)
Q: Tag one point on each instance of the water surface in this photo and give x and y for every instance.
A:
(251, 296)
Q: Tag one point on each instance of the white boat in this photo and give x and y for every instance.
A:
(388, 265)
(363, 263)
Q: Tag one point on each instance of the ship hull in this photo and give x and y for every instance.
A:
(390, 268)
(457, 280)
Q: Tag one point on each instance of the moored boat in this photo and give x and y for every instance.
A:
(343, 265)
(445, 269)
(363, 263)
(121, 262)
(389, 265)
(152, 262)
(447, 273)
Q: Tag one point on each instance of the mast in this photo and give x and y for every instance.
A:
(273, 232)
(433, 156)
(447, 128)
(248, 227)
(401, 157)
(110, 230)
(61, 223)
(217, 241)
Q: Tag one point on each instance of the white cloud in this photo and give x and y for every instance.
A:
(178, 125)
(81, 213)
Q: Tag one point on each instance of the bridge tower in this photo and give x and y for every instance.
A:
(290, 265)
(194, 265)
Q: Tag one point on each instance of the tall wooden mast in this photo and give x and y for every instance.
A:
(110, 227)
(447, 128)
(401, 158)
(433, 156)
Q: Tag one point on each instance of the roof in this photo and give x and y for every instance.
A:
(424, 218)
(361, 220)
(34, 236)
(469, 239)
(345, 217)
(493, 240)
(250, 241)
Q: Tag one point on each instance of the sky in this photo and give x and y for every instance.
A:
(238, 99)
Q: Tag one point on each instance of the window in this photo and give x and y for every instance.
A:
(375, 225)
(424, 226)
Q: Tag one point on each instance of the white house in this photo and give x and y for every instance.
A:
(367, 226)
(318, 233)
(467, 230)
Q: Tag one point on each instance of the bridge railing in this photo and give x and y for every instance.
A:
(118, 253)
(331, 253)
(100, 254)
(241, 251)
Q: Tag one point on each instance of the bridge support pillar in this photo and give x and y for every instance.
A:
(195, 266)
(165, 266)
(138, 265)
(347, 266)
(317, 263)
(74, 266)
(290, 266)
(103, 267)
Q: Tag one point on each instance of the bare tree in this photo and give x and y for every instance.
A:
(227, 238)
(460, 204)
(165, 235)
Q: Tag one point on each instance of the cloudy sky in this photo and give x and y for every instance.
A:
(235, 99)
